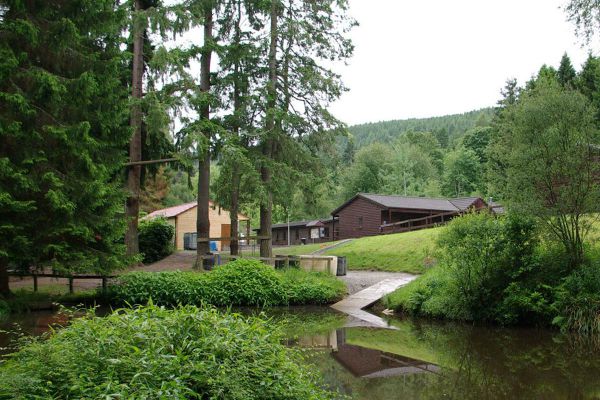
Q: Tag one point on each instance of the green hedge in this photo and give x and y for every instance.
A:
(156, 239)
(153, 353)
(238, 283)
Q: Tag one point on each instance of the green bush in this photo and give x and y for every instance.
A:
(311, 287)
(479, 257)
(578, 301)
(169, 288)
(238, 283)
(156, 239)
(247, 283)
(152, 353)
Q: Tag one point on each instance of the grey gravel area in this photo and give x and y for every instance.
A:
(358, 280)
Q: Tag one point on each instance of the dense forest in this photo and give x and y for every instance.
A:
(445, 128)
(417, 138)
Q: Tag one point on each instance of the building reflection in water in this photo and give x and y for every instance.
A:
(362, 361)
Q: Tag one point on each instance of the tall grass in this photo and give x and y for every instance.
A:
(154, 353)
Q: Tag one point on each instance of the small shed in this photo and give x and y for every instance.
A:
(302, 232)
(183, 218)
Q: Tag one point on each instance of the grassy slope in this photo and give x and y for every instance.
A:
(300, 250)
(402, 252)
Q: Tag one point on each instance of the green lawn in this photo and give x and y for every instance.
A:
(300, 250)
(401, 252)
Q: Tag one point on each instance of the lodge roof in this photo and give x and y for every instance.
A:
(174, 211)
(309, 223)
(415, 203)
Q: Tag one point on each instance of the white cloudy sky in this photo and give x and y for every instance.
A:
(420, 58)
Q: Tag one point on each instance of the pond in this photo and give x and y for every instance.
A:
(427, 360)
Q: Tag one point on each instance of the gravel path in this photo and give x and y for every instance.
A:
(359, 280)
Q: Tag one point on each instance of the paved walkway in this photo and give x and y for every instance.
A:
(353, 305)
(332, 246)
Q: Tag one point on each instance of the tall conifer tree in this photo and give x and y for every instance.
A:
(63, 129)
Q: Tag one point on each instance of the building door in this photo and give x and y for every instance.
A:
(225, 233)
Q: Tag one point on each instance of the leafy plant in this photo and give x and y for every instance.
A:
(151, 352)
(156, 239)
(578, 302)
(238, 283)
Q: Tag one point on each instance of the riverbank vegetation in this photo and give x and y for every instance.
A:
(152, 352)
(238, 283)
(539, 264)
(504, 270)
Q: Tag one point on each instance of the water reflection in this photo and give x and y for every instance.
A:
(424, 360)
(427, 360)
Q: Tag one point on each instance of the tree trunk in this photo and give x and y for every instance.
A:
(266, 207)
(203, 222)
(132, 206)
(235, 170)
(4, 286)
(235, 193)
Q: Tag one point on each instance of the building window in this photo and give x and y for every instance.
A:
(360, 222)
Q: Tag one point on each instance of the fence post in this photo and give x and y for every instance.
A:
(35, 283)
(103, 284)
(71, 284)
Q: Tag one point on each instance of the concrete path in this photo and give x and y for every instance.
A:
(333, 246)
(353, 305)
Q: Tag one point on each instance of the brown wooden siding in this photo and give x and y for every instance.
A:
(349, 219)
(297, 234)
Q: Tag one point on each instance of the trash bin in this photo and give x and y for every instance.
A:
(209, 263)
(303, 240)
(342, 266)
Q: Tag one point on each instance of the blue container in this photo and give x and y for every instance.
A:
(213, 246)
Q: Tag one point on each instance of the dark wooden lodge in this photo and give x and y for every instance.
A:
(372, 214)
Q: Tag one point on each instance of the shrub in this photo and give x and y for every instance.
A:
(156, 239)
(238, 283)
(155, 353)
(311, 287)
(246, 282)
(479, 256)
(169, 288)
(578, 301)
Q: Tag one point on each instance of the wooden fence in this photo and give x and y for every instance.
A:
(430, 221)
(414, 224)
(71, 278)
(283, 261)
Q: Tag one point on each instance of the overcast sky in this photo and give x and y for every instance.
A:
(421, 58)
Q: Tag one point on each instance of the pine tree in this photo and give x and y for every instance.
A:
(566, 73)
(63, 117)
(302, 36)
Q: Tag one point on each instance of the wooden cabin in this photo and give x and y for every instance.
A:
(183, 218)
(372, 214)
(304, 232)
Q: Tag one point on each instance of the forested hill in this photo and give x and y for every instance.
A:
(453, 126)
